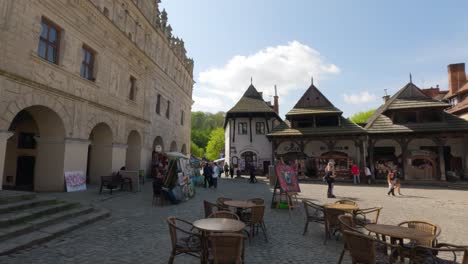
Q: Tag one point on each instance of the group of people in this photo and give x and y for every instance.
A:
(393, 180)
(211, 172)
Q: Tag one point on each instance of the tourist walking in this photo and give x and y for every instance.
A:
(216, 173)
(231, 171)
(330, 179)
(397, 183)
(207, 174)
(355, 173)
(226, 170)
(252, 174)
(368, 173)
(391, 182)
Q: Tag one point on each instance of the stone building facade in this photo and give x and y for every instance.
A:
(88, 85)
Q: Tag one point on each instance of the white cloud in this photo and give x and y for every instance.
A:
(360, 98)
(288, 66)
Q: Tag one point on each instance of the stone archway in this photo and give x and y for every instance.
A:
(34, 156)
(133, 155)
(99, 153)
(184, 149)
(158, 141)
(173, 146)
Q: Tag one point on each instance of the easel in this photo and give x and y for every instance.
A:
(278, 194)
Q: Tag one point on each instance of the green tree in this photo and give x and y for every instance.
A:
(361, 117)
(196, 150)
(216, 144)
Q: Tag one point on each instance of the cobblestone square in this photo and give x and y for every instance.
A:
(136, 232)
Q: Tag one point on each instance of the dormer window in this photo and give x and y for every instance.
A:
(327, 121)
(405, 118)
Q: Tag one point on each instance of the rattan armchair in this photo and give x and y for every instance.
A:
(346, 224)
(433, 229)
(367, 216)
(184, 239)
(442, 253)
(314, 213)
(346, 202)
(224, 214)
(226, 248)
(257, 201)
(220, 203)
(365, 249)
(255, 221)
(332, 225)
(209, 208)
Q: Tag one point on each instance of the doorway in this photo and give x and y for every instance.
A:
(25, 173)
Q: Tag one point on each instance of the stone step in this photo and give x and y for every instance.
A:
(14, 196)
(24, 215)
(50, 232)
(20, 205)
(28, 226)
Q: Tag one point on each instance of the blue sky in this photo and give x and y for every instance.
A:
(353, 49)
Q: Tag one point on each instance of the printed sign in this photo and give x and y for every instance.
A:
(75, 181)
(287, 179)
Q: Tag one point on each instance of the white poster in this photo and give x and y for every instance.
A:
(75, 181)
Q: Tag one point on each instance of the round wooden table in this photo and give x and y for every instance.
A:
(400, 232)
(239, 204)
(219, 225)
(344, 207)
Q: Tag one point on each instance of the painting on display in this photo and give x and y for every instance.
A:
(287, 179)
(75, 181)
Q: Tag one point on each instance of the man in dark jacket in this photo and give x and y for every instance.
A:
(208, 173)
(252, 174)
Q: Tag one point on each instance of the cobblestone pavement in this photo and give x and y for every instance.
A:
(136, 232)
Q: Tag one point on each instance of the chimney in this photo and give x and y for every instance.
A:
(386, 96)
(261, 94)
(456, 76)
(275, 102)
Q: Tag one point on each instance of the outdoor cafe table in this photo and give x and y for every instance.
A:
(239, 205)
(345, 207)
(216, 225)
(400, 233)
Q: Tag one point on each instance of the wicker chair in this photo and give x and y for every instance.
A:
(226, 248)
(367, 216)
(346, 224)
(346, 202)
(184, 239)
(332, 225)
(220, 203)
(257, 201)
(209, 208)
(426, 227)
(364, 249)
(255, 220)
(314, 213)
(443, 253)
(224, 214)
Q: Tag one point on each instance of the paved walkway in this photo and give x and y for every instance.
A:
(137, 232)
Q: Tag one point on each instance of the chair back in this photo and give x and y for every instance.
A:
(314, 212)
(257, 212)
(257, 201)
(171, 221)
(227, 248)
(220, 202)
(331, 217)
(367, 216)
(443, 253)
(347, 223)
(346, 202)
(361, 247)
(430, 228)
(209, 208)
(224, 214)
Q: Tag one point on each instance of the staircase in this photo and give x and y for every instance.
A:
(27, 220)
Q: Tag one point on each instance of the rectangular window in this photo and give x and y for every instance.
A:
(87, 63)
(168, 109)
(49, 41)
(260, 128)
(132, 93)
(158, 104)
(242, 128)
(182, 117)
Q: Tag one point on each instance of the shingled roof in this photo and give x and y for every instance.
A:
(411, 97)
(346, 128)
(313, 102)
(251, 102)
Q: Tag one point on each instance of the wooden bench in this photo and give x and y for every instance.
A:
(114, 181)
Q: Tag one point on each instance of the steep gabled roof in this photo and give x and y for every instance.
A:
(313, 102)
(410, 96)
(251, 102)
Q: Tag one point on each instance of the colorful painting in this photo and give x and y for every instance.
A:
(287, 179)
(75, 181)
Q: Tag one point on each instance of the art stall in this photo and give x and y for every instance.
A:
(180, 176)
(286, 187)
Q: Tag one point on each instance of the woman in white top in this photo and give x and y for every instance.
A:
(216, 172)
